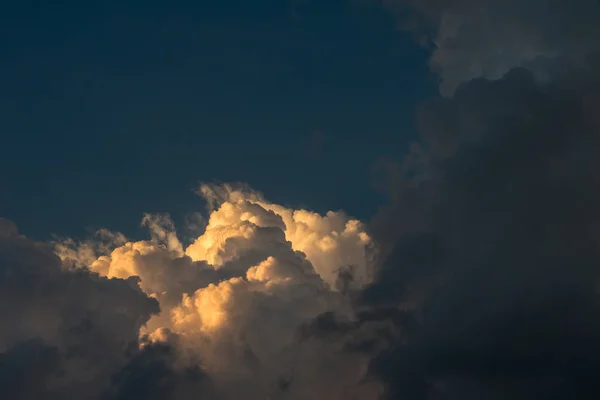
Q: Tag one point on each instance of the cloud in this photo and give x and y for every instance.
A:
(232, 302)
(330, 242)
(489, 280)
(27, 362)
(485, 39)
(154, 374)
(83, 253)
(162, 231)
(487, 289)
(488, 286)
(63, 331)
(493, 246)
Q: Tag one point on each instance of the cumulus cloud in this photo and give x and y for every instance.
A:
(331, 242)
(234, 300)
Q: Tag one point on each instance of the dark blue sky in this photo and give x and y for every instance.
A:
(110, 111)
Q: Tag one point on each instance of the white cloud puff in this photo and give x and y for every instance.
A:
(330, 242)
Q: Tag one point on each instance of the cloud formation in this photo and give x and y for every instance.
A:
(487, 38)
(479, 279)
(234, 301)
(64, 331)
(329, 242)
(501, 277)
(489, 287)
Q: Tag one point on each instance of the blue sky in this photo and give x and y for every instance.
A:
(110, 111)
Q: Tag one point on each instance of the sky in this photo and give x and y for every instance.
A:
(101, 102)
(344, 200)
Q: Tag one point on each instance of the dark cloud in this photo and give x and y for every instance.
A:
(63, 331)
(27, 368)
(486, 38)
(152, 374)
(490, 245)
(499, 263)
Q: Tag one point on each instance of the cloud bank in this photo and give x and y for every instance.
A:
(490, 282)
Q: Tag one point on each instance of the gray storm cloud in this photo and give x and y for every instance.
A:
(64, 331)
(491, 259)
(500, 253)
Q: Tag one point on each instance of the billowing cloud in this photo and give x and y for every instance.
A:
(234, 301)
(331, 242)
